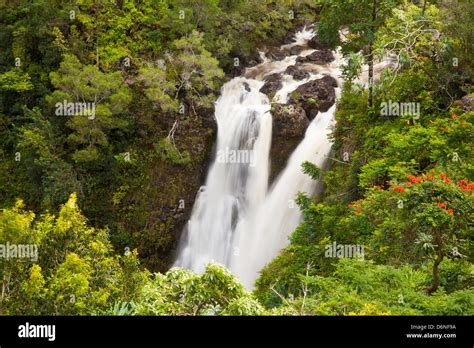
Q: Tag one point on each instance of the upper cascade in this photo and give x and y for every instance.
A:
(238, 220)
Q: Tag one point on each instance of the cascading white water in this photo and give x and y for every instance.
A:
(236, 220)
(238, 178)
(266, 231)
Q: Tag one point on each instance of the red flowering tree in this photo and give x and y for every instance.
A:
(426, 218)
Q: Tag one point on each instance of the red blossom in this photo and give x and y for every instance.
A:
(454, 116)
(442, 176)
(414, 179)
(465, 185)
(399, 188)
(447, 181)
(450, 211)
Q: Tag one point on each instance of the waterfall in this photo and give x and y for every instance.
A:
(237, 180)
(266, 231)
(237, 220)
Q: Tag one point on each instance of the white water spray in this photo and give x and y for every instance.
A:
(236, 220)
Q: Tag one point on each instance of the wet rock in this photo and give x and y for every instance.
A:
(316, 43)
(331, 81)
(272, 84)
(295, 50)
(289, 126)
(297, 73)
(314, 96)
(275, 53)
(246, 86)
(244, 62)
(289, 120)
(290, 36)
(317, 57)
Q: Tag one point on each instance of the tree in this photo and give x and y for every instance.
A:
(190, 73)
(52, 178)
(75, 271)
(181, 292)
(106, 97)
(362, 19)
(410, 35)
(15, 80)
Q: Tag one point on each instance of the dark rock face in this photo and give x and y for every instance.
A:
(246, 86)
(253, 59)
(275, 53)
(295, 50)
(289, 126)
(317, 57)
(272, 84)
(289, 121)
(317, 44)
(315, 96)
(297, 73)
(331, 81)
(290, 36)
(244, 62)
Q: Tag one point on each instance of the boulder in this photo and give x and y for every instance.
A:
(289, 127)
(295, 50)
(314, 96)
(317, 57)
(331, 81)
(290, 36)
(316, 43)
(247, 61)
(297, 73)
(275, 53)
(272, 84)
(289, 120)
(246, 86)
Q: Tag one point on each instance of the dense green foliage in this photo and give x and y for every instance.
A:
(401, 187)
(153, 70)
